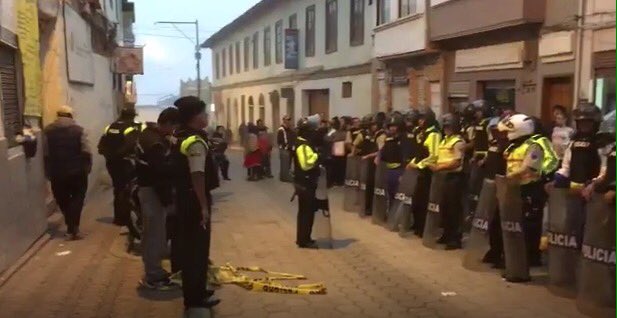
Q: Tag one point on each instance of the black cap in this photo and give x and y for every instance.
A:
(189, 107)
(128, 112)
(169, 115)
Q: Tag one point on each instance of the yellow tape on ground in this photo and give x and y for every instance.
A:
(228, 274)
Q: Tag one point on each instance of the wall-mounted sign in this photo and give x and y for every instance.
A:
(128, 60)
(79, 58)
(292, 49)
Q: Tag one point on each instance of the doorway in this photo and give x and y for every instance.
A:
(319, 102)
(275, 101)
(556, 91)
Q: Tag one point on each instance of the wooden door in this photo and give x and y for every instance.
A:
(556, 91)
(319, 103)
(276, 109)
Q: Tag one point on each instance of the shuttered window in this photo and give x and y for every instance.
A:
(11, 111)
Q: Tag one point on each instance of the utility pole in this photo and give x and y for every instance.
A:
(197, 47)
(198, 58)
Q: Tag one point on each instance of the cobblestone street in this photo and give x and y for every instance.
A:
(369, 273)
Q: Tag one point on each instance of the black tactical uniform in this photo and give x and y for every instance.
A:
(194, 239)
(495, 164)
(118, 146)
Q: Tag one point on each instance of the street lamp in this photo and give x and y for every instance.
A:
(197, 47)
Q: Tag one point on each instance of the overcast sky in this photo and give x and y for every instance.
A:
(169, 57)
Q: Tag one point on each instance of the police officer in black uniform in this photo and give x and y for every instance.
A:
(428, 138)
(154, 174)
(409, 143)
(581, 161)
(478, 145)
(366, 146)
(195, 177)
(494, 163)
(392, 155)
(117, 145)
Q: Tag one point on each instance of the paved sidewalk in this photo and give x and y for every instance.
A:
(370, 273)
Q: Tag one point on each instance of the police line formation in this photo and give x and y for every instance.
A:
(486, 171)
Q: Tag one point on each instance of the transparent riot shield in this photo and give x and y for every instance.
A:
(380, 202)
(565, 225)
(432, 225)
(401, 207)
(596, 289)
(352, 184)
(408, 188)
(365, 186)
(285, 166)
(322, 226)
(511, 210)
(476, 181)
(478, 242)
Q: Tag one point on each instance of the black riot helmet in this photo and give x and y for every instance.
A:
(365, 123)
(451, 121)
(484, 108)
(380, 119)
(588, 118)
(469, 113)
(588, 111)
(397, 120)
(411, 117)
(427, 116)
(606, 132)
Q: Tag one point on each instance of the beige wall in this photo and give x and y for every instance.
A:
(344, 56)
(493, 57)
(448, 19)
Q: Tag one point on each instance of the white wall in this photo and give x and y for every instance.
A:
(357, 105)
(400, 37)
(8, 15)
(344, 56)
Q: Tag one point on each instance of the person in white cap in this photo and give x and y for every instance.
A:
(68, 161)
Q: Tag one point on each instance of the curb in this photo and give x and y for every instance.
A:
(23, 260)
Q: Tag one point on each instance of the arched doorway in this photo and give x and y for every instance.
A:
(262, 107)
(234, 117)
(275, 101)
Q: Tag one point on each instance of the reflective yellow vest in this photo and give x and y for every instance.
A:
(445, 152)
(307, 158)
(516, 157)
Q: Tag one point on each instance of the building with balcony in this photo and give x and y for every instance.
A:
(491, 55)
(294, 57)
(410, 71)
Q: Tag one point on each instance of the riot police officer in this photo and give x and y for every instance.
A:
(428, 140)
(581, 161)
(285, 140)
(530, 159)
(392, 155)
(450, 158)
(494, 164)
(605, 182)
(117, 145)
(195, 177)
(306, 167)
(409, 144)
(365, 146)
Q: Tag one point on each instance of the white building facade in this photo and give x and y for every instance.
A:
(333, 71)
